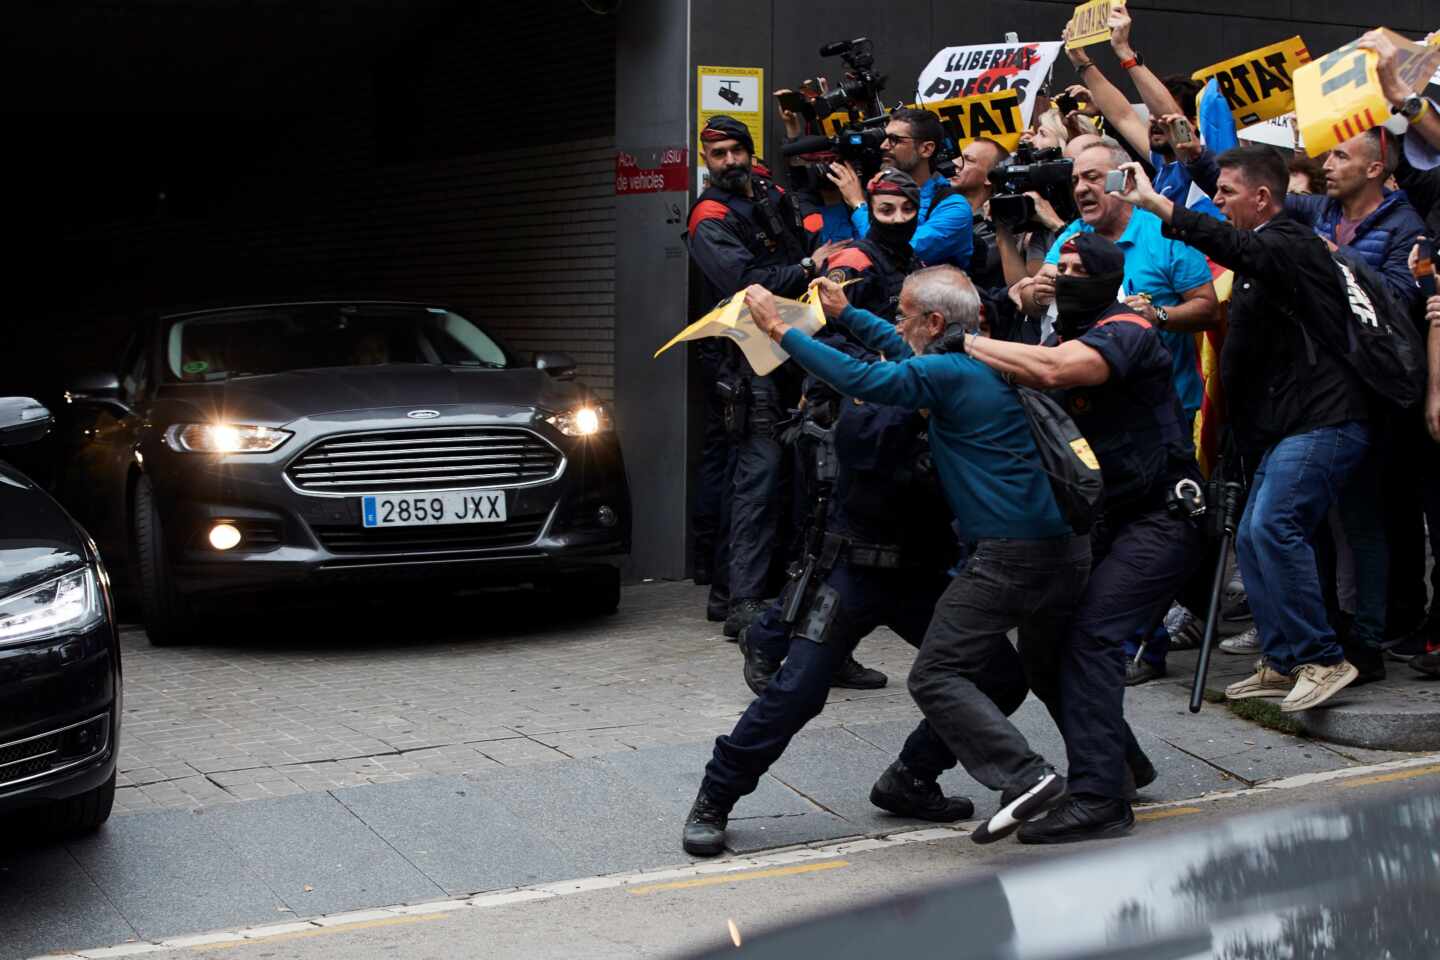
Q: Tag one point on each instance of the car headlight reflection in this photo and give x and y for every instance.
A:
(224, 438)
(68, 604)
(583, 421)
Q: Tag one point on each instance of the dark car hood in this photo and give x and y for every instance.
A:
(282, 397)
(1342, 881)
(38, 540)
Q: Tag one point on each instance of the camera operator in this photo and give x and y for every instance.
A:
(822, 209)
(1027, 570)
(1295, 406)
(912, 144)
(744, 230)
(1114, 378)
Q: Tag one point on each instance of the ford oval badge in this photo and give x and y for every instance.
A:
(423, 414)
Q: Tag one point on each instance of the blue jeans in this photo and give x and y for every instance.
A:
(1297, 481)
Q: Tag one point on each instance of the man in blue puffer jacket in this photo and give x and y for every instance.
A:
(1360, 214)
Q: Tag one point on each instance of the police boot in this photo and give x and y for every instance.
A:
(852, 675)
(1081, 817)
(759, 669)
(742, 614)
(717, 605)
(704, 834)
(902, 793)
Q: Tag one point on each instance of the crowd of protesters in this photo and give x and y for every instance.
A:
(937, 518)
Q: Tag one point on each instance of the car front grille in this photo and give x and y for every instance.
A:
(52, 752)
(426, 459)
(514, 532)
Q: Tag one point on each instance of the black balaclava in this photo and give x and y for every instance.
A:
(721, 127)
(1080, 300)
(894, 238)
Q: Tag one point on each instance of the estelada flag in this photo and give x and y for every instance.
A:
(731, 319)
(1208, 344)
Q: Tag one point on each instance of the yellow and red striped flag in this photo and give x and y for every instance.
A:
(1208, 344)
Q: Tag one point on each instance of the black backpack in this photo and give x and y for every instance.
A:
(1376, 337)
(1066, 458)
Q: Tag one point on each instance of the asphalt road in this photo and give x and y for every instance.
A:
(673, 917)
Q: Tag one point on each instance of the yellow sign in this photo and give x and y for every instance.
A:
(1338, 96)
(735, 92)
(1259, 85)
(731, 319)
(994, 116)
(1090, 24)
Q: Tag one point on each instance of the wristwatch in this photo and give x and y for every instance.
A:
(1162, 317)
(1133, 62)
(1411, 107)
(808, 265)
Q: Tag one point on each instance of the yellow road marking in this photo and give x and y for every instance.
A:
(736, 877)
(1167, 814)
(1410, 774)
(319, 931)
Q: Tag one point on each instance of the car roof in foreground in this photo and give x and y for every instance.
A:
(230, 308)
(1341, 881)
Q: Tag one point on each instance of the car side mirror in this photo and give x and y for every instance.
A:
(561, 366)
(97, 390)
(22, 420)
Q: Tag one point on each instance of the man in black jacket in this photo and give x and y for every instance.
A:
(1298, 410)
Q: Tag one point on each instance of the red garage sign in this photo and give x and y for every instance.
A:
(668, 170)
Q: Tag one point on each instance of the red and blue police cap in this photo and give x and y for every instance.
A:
(1102, 257)
(895, 183)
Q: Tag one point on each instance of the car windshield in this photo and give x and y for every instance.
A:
(273, 339)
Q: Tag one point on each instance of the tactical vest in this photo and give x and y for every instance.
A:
(1136, 429)
(769, 227)
(887, 491)
(885, 277)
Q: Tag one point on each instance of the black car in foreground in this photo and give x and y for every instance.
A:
(391, 447)
(59, 652)
(1356, 881)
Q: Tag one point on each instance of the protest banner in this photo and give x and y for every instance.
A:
(996, 116)
(1338, 96)
(1091, 23)
(957, 72)
(1259, 85)
(731, 319)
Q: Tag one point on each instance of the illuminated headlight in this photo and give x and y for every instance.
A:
(68, 604)
(224, 438)
(583, 421)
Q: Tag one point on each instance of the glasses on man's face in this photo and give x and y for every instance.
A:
(893, 138)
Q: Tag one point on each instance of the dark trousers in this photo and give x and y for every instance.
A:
(967, 673)
(1141, 563)
(714, 473)
(869, 598)
(754, 526)
(1412, 503)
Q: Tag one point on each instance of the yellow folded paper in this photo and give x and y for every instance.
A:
(731, 318)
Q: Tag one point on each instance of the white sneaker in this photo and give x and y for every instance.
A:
(1314, 684)
(1245, 644)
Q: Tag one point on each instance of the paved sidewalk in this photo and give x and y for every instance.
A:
(276, 776)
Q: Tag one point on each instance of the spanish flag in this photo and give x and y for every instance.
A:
(1208, 344)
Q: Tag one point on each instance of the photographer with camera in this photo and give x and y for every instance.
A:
(1112, 374)
(743, 230)
(912, 144)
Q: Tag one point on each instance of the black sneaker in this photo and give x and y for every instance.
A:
(1048, 790)
(1427, 663)
(742, 614)
(1368, 660)
(759, 669)
(900, 792)
(1414, 643)
(852, 675)
(704, 834)
(1142, 672)
(1079, 818)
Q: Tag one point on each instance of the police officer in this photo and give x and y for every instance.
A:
(882, 559)
(1113, 374)
(877, 266)
(743, 230)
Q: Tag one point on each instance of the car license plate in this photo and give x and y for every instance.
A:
(432, 509)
